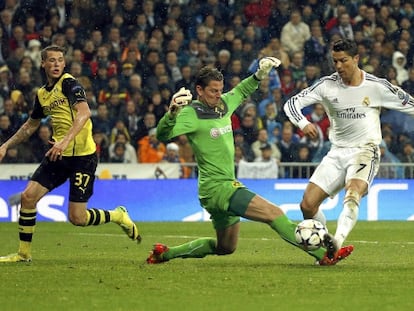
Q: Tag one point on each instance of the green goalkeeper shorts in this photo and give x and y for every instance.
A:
(226, 203)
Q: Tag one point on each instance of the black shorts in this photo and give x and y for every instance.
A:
(80, 170)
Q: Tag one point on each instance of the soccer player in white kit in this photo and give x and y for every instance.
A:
(353, 100)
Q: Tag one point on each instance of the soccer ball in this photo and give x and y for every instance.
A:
(309, 234)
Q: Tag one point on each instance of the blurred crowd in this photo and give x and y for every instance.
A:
(132, 55)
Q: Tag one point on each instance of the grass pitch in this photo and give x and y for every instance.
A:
(99, 268)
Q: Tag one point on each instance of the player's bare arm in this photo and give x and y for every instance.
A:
(23, 133)
(83, 114)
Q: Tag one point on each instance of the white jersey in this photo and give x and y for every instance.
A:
(353, 111)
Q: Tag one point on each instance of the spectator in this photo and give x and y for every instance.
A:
(266, 154)
(173, 67)
(304, 156)
(28, 65)
(263, 139)
(288, 144)
(129, 154)
(275, 49)
(238, 156)
(279, 18)
(407, 156)
(272, 118)
(298, 71)
(185, 151)
(25, 86)
(131, 118)
(19, 154)
(172, 156)
(119, 154)
(287, 84)
(4, 48)
(295, 33)
(387, 171)
(187, 79)
(156, 105)
(102, 145)
(240, 141)
(315, 48)
(148, 122)
(125, 74)
(318, 117)
(101, 60)
(18, 38)
(6, 17)
(399, 62)
(41, 142)
(6, 128)
(257, 14)
(150, 149)
(131, 53)
(408, 84)
(119, 128)
(33, 51)
(103, 121)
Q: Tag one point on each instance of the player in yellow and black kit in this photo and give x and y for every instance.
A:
(72, 155)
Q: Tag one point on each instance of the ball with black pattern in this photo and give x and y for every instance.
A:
(309, 234)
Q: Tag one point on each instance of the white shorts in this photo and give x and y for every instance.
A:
(343, 164)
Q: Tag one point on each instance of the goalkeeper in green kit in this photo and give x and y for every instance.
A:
(207, 124)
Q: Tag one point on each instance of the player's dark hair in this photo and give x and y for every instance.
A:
(207, 74)
(54, 48)
(345, 45)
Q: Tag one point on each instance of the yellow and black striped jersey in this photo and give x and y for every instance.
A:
(57, 101)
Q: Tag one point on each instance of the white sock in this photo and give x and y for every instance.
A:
(320, 216)
(346, 221)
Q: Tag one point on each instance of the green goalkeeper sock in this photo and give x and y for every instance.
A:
(286, 229)
(195, 249)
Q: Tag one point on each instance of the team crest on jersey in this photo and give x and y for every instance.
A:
(403, 96)
(237, 184)
(366, 101)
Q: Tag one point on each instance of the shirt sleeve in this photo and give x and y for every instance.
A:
(396, 98)
(72, 89)
(293, 107)
(184, 123)
(37, 112)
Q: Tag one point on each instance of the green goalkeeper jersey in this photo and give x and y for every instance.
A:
(209, 131)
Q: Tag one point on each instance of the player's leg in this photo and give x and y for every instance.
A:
(260, 209)
(79, 215)
(312, 199)
(227, 233)
(81, 189)
(359, 175)
(27, 222)
(327, 180)
(349, 215)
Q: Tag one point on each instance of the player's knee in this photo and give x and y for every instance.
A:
(308, 208)
(352, 195)
(28, 199)
(227, 250)
(77, 220)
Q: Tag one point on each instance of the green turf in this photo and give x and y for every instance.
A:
(98, 268)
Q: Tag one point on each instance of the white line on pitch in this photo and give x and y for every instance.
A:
(248, 239)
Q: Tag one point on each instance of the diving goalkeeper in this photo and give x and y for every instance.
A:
(207, 124)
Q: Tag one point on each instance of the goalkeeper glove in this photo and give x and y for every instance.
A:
(265, 65)
(181, 98)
